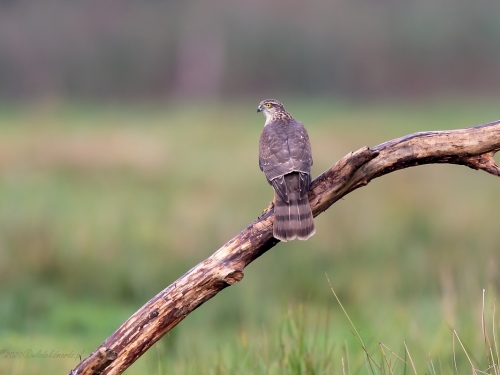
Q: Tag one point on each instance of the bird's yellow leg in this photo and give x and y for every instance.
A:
(269, 208)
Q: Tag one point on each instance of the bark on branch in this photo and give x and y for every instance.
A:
(473, 147)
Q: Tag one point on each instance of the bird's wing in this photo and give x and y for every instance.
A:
(285, 148)
(274, 155)
(300, 153)
(300, 147)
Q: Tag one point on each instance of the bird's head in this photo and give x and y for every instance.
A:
(270, 107)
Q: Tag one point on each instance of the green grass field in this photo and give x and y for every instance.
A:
(103, 206)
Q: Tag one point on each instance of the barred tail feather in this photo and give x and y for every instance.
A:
(294, 219)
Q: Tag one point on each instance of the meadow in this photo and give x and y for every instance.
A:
(104, 205)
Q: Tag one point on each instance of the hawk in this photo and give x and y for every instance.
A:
(286, 160)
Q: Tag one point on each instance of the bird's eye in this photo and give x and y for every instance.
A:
(268, 105)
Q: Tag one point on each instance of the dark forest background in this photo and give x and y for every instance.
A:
(217, 48)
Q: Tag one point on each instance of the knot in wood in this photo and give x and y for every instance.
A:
(234, 277)
(108, 354)
(153, 314)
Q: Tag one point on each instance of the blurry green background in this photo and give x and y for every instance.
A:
(128, 154)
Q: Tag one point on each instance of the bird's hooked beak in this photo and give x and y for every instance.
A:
(260, 108)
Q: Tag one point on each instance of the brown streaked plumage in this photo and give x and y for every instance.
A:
(286, 160)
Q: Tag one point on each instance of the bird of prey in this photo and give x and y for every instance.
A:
(285, 158)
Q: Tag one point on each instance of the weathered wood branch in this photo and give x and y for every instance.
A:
(473, 147)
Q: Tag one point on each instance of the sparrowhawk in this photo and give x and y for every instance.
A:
(286, 160)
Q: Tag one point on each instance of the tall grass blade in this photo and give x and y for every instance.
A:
(385, 358)
(411, 361)
(431, 366)
(454, 354)
(370, 360)
(465, 351)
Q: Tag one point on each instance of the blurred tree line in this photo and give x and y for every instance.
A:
(214, 48)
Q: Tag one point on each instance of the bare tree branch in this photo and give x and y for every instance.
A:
(473, 147)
